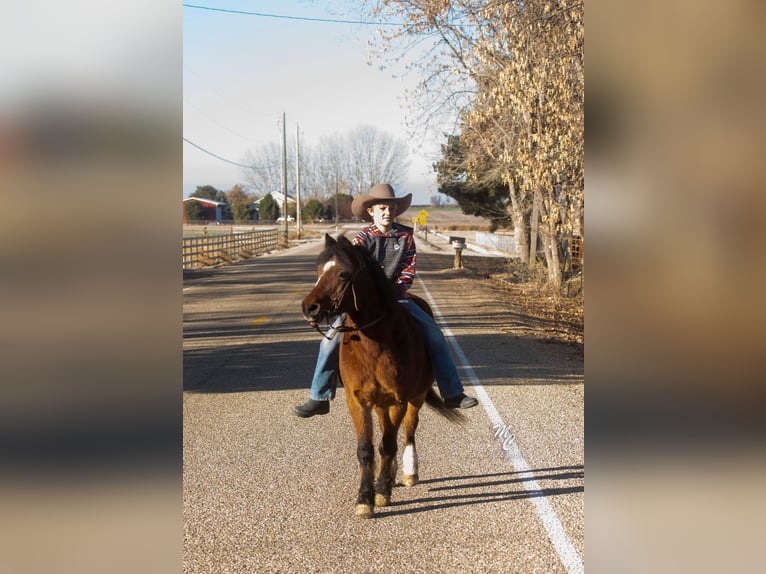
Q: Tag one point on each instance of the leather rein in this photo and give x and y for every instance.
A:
(336, 301)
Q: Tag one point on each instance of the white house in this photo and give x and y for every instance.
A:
(279, 198)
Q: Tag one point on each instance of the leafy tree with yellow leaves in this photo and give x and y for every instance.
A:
(510, 76)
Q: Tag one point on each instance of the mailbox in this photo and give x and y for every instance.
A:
(457, 242)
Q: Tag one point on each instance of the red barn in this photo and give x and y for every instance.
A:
(217, 211)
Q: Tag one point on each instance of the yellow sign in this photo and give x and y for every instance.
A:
(422, 216)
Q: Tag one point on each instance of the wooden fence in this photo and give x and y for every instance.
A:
(213, 249)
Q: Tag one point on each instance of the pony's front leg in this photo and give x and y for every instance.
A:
(410, 456)
(365, 454)
(389, 418)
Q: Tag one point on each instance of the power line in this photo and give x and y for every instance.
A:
(199, 147)
(252, 166)
(211, 88)
(231, 131)
(284, 17)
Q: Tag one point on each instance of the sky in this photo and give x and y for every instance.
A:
(241, 72)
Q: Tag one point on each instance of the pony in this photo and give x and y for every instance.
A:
(383, 364)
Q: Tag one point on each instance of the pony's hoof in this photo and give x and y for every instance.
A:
(410, 479)
(363, 511)
(382, 500)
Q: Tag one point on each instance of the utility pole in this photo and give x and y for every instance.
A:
(336, 200)
(299, 222)
(284, 176)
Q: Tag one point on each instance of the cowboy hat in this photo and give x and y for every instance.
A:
(380, 193)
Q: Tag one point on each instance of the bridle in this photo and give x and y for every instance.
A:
(335, 305)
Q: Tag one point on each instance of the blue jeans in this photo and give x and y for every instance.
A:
(326, 372)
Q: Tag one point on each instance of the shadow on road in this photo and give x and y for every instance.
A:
(289, 364)
(492, 490)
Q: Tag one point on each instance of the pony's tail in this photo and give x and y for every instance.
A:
(436, 403)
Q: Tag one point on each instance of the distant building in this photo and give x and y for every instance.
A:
(217, 211)
(279, 198)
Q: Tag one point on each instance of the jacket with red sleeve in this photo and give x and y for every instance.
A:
(395, 251)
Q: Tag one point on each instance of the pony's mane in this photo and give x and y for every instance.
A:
(386, 289)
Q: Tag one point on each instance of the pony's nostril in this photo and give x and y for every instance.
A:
(312, 310)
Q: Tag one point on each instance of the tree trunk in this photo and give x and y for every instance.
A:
(554, 266)
(519, 223)
(549, 220)
(534, 223)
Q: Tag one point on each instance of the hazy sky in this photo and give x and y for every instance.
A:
(242, 71)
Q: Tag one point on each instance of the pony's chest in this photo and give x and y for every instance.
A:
(375, 373)
(369, 361)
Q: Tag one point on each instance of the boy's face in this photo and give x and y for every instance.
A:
(382, 214)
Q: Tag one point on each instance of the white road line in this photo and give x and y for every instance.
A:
(558, 536)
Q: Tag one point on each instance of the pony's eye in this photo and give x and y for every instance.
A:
(345, 275)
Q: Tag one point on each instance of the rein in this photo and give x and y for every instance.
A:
(336, 303)
(346, 329)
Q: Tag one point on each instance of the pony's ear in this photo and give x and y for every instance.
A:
(344, 242)
(328, 240)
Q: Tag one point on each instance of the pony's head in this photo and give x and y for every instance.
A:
(336, 270)
(341, 286)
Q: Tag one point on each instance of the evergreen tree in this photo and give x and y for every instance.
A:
(268, 208)
(242, 212)
(313, 210)
(193, 211)
(478, 193)
(209, 192)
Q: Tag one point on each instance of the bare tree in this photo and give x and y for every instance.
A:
(330, 166)
(265, 173)
(348, 164)
(375, 157)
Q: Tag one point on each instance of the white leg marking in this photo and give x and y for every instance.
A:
(409, 460)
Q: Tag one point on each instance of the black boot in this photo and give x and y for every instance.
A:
(311, 408)
(462, 401)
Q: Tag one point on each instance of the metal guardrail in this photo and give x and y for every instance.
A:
(505, 243)
(572, 246)
(207, 250)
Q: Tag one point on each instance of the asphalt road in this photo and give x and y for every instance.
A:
(265, 491)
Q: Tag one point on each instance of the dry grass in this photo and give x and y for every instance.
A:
(562, 312)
